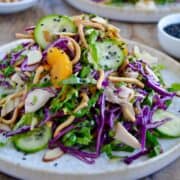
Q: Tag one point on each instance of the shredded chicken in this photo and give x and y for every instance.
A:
(127, 107)
(124, 136)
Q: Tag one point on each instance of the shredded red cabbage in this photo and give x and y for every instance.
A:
(154, 125)
(2, 76)
(15, 57)
(84, 156)
(5, 83)
(25, 67)
(160, 102)
(77, 68)
(101, 103)
(138, 66)
(142, 120)
(97, 0)
(30, 28)
(61, 43)
(132, 158)
(49, 116)
(62, 133)
(18, 131)
(111, 117)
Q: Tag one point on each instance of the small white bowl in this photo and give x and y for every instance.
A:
(169, 43)
(7, 8)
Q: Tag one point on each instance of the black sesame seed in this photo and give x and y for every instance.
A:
(114, 53)
(173, 30)
(55, 164)
(40, 134)
(107, 57)
(83, 80)
(64, 30)
(24, 158)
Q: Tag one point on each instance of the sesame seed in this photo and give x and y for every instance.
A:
(24, 158)
(55, 164)
(64, 30)
(107, 57)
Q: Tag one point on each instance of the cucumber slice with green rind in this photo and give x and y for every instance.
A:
(33, 141)
(106, 55)
(48, 26)
(26, 119)
(172, 127)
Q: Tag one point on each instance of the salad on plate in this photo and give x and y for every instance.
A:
(140, 4)
(73, 87)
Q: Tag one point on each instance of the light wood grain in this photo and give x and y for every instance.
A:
(145, 33)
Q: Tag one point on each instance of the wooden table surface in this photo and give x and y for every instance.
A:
(145, 33)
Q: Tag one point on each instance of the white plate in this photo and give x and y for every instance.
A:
(11, 161)
(125, 13)
(7, 8)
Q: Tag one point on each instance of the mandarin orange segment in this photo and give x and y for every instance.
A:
(61, 66)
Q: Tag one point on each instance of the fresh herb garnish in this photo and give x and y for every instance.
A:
(174, 87)
(66, 99)
(153, 144)
(115, 146)
(8, 71)
(157, 70)
(81, 135)
(74, 80)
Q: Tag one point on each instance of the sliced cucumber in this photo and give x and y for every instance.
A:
(172, 127)
(3, 140)
(107, 55)
(48, 26)
(33, 141)
(26, 120)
